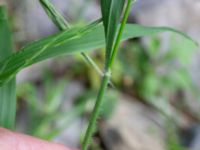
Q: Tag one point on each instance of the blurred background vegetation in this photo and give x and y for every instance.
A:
(154, 101)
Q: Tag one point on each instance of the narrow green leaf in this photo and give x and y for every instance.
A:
(111, 14)
(105, 10)
(55, 16)
(119, 35)
(7, 91)
(69, 42)
(62, 24)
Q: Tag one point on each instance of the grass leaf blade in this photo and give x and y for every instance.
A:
(111, 14)
(62, 24)
(55, 16)
(71, 43)
(7, 91)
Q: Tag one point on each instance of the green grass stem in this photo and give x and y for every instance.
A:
(105, 81)
(120, 33)
(91, 128)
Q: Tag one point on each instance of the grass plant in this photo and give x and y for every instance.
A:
(108, 31)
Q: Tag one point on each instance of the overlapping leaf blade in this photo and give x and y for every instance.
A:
(111, 14)
(7, 91)
(70, 42)
(55, 16)
(105, 10)
(63, 25)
